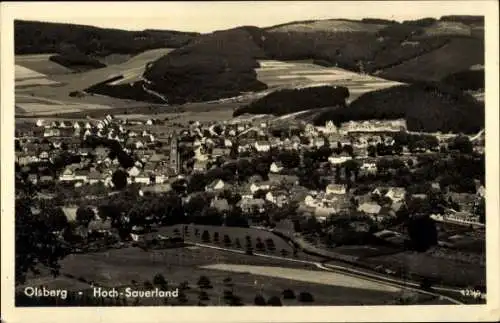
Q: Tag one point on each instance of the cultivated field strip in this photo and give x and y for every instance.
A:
(310, 276)
(279, 74)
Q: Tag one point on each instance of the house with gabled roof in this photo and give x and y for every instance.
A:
(68, 174)
(216, 185)
(396, 194)
(276, 167)
(143, 178)
(278, 197)
(134, 171)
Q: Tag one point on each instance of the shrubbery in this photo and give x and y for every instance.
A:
(77, 61)
(466, 80)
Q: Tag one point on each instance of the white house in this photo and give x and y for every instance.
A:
(50, 132)
(142, 179)
(311, 201)
(277, 198)
(275, 168)
(216, 185)
(254, 187)
(134, 171)
(139, 144)
(228, 143)
(339, 159)
(262, 146)
(40, 123)
(369, 167)
(396, 194)
(329, 128)
(67, 175)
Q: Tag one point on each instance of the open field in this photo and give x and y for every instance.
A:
(330, 25)
(32, 105)
(310, 276)
(274, 73)
(69, 82)
(80, 81)
(131, 267)
(278, 74)
(40, 63)
(28, 77)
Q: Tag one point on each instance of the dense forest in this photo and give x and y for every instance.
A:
(425, 106)
(33, 37)
(466, 80)
(293, 100)
(217, 65)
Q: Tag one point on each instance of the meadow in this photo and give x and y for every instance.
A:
(248, 276)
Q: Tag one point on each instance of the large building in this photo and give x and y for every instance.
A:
(373, 126)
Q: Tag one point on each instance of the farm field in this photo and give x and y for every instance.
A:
(310, 276)
(33, 105)
(27, 77)
(40, 63)
(279, 74)
(131, 267)
(43, 85)
(132, 68)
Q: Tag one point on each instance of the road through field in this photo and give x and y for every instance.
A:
(354, 273)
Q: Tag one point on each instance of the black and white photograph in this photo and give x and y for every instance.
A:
(252, 154)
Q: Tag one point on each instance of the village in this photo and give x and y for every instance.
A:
(158, 161)
(118, 181)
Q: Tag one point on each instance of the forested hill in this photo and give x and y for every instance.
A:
(425, 107)
(34, 37)
(222, 64)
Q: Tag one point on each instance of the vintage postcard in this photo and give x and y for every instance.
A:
(250, 161)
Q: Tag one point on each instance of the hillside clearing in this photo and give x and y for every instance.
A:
(280, 74)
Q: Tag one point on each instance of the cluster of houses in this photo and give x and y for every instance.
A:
(155, 153)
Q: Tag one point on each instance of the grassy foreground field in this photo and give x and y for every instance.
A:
(131, 267)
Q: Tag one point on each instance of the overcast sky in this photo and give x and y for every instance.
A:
(210, 16)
